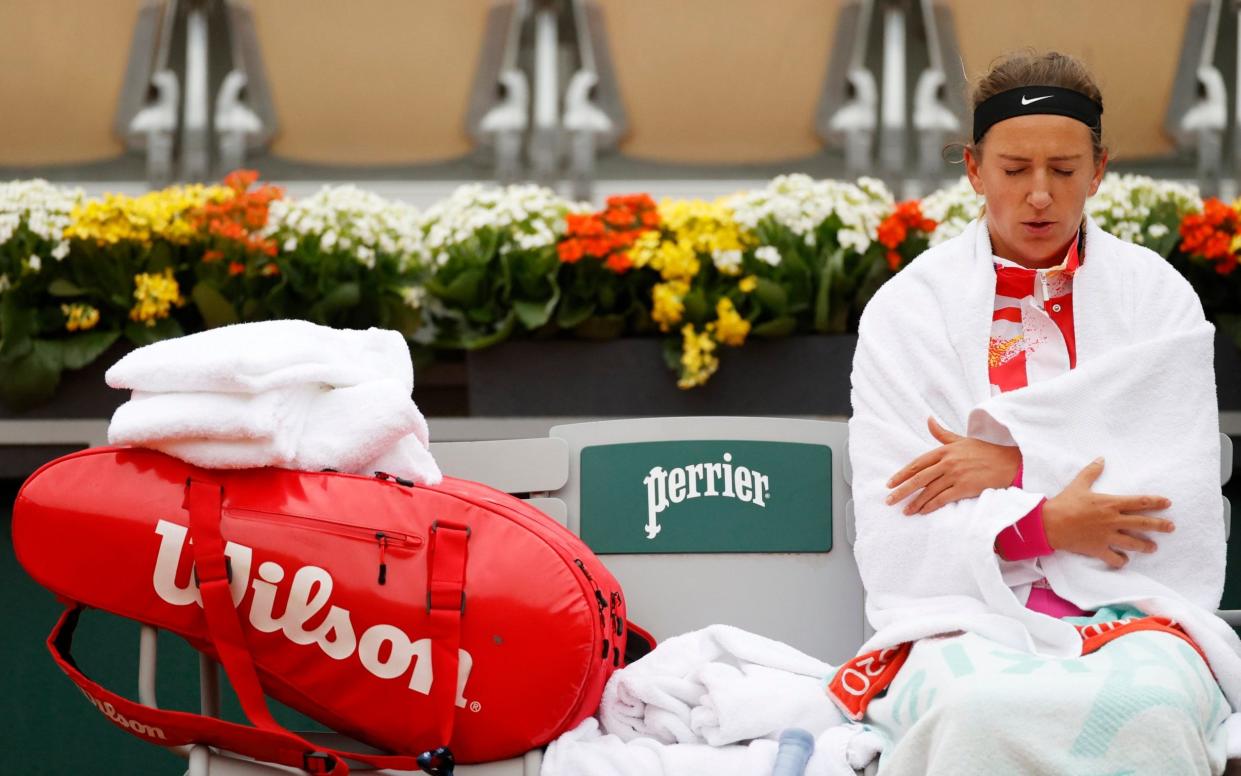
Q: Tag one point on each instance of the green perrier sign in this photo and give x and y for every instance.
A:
(707, 496)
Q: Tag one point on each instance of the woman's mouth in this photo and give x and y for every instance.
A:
(1037, 228)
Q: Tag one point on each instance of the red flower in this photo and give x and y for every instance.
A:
(236, 268)
(212, 255)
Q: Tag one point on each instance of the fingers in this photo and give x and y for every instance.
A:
(940, 433)
(1128, 541)
(1114, 558)
(934, 488)
(1140, 503)
(1145, 524)
(1089, 473)
(944, 498)
(915, 466)
(915, 483)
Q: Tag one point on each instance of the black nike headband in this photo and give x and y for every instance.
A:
(1030, 100)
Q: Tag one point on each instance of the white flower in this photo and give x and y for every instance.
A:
(524, 217)
(34, 214)
(413, 296)
(1133, 207)
(952, 208)
(343, 219)
(768, 254)
(5, 285)
(727, 262)
(804, 205)
(35, 262)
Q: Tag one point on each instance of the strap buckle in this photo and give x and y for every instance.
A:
(318, 762)
(437, 762)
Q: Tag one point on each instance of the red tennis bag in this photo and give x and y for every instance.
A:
(411, 618)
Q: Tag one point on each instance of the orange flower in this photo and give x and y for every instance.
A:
(236, 268)
(240, 180)
(269, 270)
(570, 251)
(213, 255)
(619, 263)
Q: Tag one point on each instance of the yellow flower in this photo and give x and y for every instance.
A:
(668, 303)
(698, 359)
(748, 284)
(79, 317)
(155, 215)
(729, 328)
(155, 295)
(690, 230)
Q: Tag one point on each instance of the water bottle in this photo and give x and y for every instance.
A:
(796, 746)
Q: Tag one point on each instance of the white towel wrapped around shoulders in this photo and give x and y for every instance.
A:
(1142, 395)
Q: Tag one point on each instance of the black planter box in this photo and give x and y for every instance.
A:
(807, 375)
(628, 377)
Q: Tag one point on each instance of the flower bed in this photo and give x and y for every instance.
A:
(488, 264)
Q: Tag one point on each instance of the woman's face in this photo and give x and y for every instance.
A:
(1035, 173)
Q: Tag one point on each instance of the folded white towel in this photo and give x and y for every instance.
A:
(703, 686)
(277, 393)
(260, 356)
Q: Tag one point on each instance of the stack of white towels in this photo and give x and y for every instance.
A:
(290, 394)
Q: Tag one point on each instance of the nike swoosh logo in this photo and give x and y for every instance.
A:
(1026, 101)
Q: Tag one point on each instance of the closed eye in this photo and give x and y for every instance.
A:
(1018, 171)
(1065, 173)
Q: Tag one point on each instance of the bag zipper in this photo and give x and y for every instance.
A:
(383, 539)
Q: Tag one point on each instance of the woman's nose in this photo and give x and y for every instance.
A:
(1039, 198)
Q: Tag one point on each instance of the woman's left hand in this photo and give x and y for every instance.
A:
(962, 467)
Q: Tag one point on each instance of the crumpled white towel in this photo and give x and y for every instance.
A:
(587, 751)
(358, 426)
(260, 356)
(701, 687)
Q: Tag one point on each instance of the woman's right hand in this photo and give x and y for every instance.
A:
(1101, 525)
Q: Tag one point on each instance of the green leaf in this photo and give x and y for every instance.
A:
(17, 328)
(696, 309)
(140, 334)
(534, 314)
(772, 295)
(81, 349)
(31, 379)
(573, 311)
(341, 297)
(159, 256)
(211, 304)
(463, 289)
(479, 341)
(63, 288)
(822, 297)
(400, 316)
(780, 327)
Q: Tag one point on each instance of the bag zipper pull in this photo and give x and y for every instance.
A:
(383, 567)
(394, 478)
